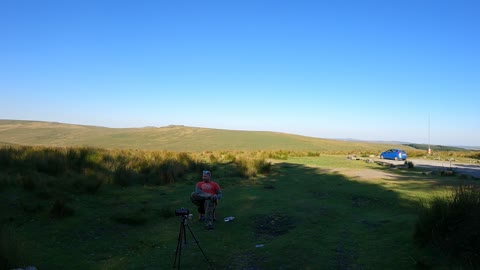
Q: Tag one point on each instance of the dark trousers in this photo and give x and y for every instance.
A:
(205, 207)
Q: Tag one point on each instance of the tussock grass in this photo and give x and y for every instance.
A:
(115, 208)
(451, 224)
(250, 167)
(475, 155)
(86, 169)
(89, 169)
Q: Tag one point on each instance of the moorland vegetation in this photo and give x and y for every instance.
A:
(83, 207)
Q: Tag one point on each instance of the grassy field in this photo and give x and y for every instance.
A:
(69, 205)
(321, 212)
(171, 138)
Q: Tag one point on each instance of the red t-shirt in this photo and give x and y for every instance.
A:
(210, 187)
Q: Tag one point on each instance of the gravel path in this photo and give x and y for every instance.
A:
(435, 165)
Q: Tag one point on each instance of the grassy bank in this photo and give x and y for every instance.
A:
(306, 210)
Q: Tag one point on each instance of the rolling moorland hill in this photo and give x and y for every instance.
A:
(171, 138)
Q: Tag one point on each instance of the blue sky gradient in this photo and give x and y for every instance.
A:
(370, 70)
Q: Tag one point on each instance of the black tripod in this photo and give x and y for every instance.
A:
(182, 236)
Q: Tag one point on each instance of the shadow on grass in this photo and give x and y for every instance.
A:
(445, 222)
(310, 218)
(296, 217)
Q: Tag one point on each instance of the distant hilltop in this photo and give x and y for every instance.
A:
(172, 138)
(419, 146)
(380, 142)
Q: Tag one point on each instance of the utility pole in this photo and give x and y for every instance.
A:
(429, 150)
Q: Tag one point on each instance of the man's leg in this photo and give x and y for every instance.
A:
(200, 202)
(215, 210)
(209, 205)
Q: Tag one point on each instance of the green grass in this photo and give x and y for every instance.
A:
(311, 208)
(309, 213)
(451, 224)
(11, 248)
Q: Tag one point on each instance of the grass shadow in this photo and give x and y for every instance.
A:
(295, 217)
(312, 218)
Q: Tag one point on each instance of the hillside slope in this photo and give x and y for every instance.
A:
(173, 138)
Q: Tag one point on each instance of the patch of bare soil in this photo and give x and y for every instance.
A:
(360, 201)
(367, 174)
(271, 226)
(265, 227)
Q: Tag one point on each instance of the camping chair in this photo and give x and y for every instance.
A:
(201, 215)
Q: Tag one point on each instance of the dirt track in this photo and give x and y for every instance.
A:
(437, 165)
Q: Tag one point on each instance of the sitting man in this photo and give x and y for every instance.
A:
(205, 197)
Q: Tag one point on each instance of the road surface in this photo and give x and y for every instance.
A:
(437, 165)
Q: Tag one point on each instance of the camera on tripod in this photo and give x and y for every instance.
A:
(182, 212)
(182, 237)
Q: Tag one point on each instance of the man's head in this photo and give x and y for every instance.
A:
(206, 175)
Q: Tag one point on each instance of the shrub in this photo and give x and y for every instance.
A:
(80, 158)
(172, 167)
(123, 176)
(229, 157)
(451, 224)
(249, 167)
(6, 156)
(213, 158)
(263, 166)
(409, 164)
(50, 161)
(475, 155)
(84, 169)
(243, 169)
(280, 154)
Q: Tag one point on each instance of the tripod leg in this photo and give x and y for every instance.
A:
(198, 244)
(178, 251)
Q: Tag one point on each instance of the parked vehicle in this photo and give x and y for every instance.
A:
(396, 154)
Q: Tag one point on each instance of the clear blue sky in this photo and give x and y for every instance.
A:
(370, 70)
